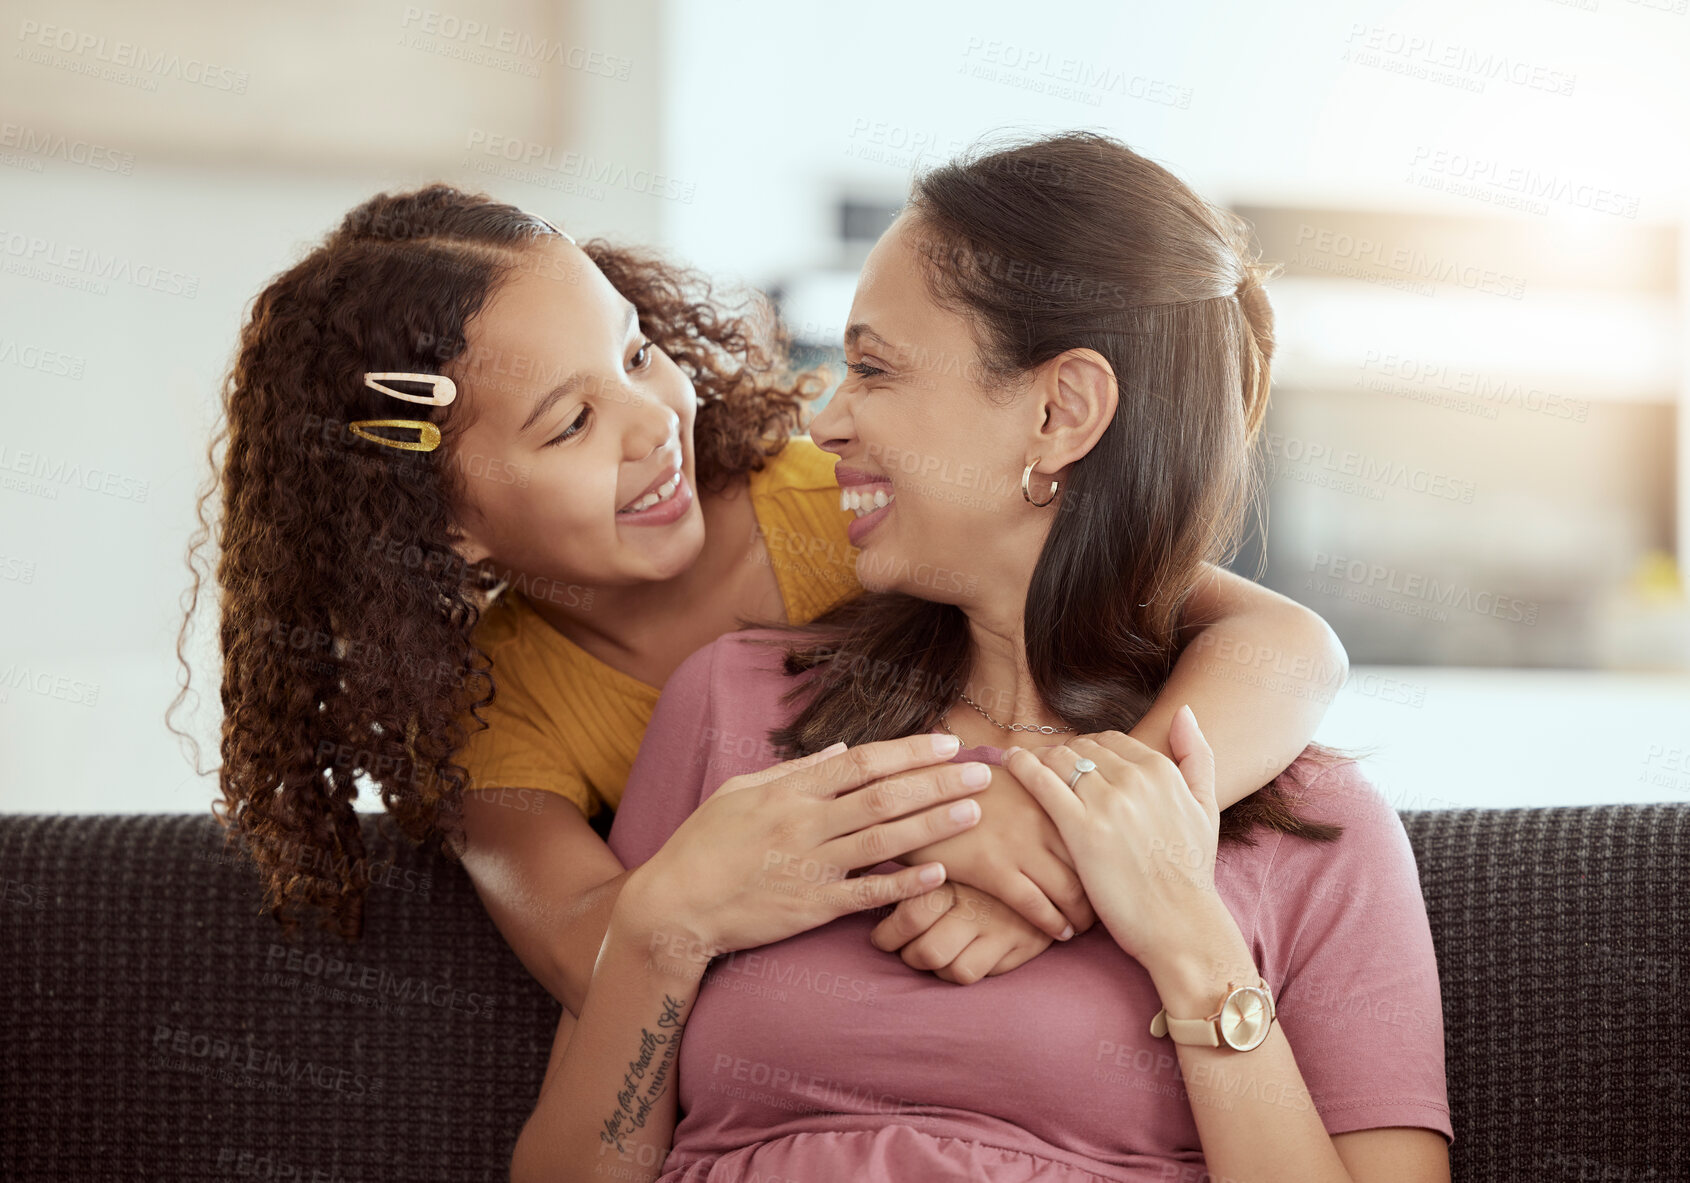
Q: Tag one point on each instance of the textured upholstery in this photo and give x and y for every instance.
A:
(158, 1027)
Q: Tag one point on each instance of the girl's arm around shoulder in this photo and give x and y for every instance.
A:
(1259, 671)
(547, 880)
(545, 876)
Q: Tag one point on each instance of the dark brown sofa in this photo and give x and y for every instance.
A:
(157, 1027)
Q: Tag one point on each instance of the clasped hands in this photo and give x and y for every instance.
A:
(1133, 842)
(775, 853)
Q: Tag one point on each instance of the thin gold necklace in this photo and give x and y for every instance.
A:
(1039, 728)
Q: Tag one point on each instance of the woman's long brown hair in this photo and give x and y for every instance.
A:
(1074, 241)
(346, 617)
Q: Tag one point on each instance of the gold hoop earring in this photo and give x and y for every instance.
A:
(1027, 492)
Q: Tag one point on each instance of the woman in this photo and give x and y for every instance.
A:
(368, 518)
(1128, 424)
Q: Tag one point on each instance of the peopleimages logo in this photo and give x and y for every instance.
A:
(1427, 379)
(56, 146)
(59, 686)
(1368, 581)
(26, 252)
(56, 470)
(42, 361)
(1432, 59)
(1344, 253)
(1535, 189)
(588, 169)
(248, 1065)
(515, 42)
(286, 966)
(1307, 455)
(129, 56)
(1064, 76)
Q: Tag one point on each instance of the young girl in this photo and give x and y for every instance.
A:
(468, 581)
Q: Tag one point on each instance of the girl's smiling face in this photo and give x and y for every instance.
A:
(920, 437)
(578, 462)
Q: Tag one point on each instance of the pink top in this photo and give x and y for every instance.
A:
(820, 1057)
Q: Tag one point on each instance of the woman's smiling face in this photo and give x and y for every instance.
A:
(917, 433)
(581, 418)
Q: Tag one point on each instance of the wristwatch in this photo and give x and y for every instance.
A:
(1242, 1021)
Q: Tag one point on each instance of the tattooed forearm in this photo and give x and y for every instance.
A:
(644, 1082)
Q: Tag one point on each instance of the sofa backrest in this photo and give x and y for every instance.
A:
(157, 1024)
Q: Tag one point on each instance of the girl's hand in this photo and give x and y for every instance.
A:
(767, 856)
(1143, 832)
(1017, 856)
(959, 933)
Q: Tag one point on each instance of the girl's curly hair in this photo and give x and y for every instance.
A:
(347, 618)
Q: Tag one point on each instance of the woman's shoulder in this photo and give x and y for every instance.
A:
(718, 707)
(1342, 934)
(734, 667)
(1371, 841)
(1331, 787)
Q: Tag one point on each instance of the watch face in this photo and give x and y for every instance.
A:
(1246, 1017)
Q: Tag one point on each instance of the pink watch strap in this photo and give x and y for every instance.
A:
(1203, 1032)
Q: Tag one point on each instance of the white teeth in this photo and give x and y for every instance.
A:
(663, 493)
(865, 503)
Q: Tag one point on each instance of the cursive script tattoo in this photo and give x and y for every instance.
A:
(644, 1081)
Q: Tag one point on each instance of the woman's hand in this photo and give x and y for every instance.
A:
(1017, 856)
(1143, 832)
(959, 933)
(767, 855)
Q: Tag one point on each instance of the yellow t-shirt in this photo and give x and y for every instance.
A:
(564, 721)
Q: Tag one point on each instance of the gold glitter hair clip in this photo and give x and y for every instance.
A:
(442, 390)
